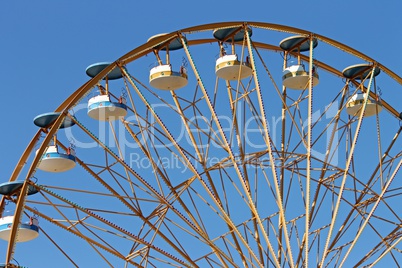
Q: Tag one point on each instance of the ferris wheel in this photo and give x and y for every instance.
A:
(237, 144)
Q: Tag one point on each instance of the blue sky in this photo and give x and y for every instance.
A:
(47, 45)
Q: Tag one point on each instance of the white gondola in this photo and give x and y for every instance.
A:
(355, 105)
(162, 77)
(103, 109)
(54, 161)
(228, 67)
(26, 231)
(296, 77)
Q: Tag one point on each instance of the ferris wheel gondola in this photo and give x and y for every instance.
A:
(163, 76)
(295, 76)
(101, 107)
(53, 160)
(228, 66)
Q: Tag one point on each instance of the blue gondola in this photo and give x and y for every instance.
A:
(103, 109)
(54, 161)
(14, 187)
(26, 231)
